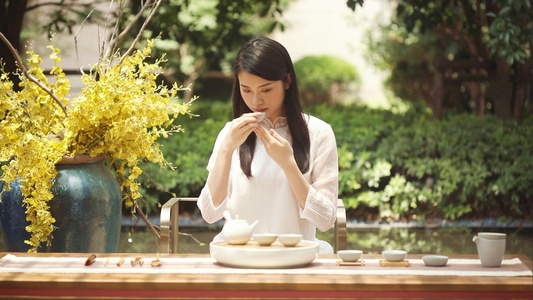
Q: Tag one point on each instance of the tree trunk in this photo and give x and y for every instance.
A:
(198, 65)
(456, 99)
(501, 88)
(523, 79)
(519, 99)
(11, 18)
(476, 96)
(438, 93)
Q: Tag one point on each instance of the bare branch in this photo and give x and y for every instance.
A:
(63, 4)
(113, 44)
(31, 78)
(114, 32)
(127, 190)
(76, 41)
(117, 23)
(192, 237)
(106, 19)
(155, 234)
(139, 35)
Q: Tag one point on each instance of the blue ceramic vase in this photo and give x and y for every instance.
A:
(86, 206)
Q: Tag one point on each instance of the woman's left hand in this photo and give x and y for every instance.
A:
(276, 146)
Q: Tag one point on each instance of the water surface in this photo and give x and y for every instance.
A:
(444, 240)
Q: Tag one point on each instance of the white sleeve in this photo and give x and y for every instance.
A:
(209, 212)
(321, 203)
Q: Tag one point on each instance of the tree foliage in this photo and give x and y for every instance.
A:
(198, 36)
(480, 48)
(61, 15)
(201, 36)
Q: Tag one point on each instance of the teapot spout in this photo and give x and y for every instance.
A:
(253, 224)
(475, 239)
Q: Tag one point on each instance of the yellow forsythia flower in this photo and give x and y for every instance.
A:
(120, 112)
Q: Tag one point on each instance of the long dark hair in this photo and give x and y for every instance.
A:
(268, 59)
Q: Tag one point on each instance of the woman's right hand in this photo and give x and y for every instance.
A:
(219, 177)
(240, 130)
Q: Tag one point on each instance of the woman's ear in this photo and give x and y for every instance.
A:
(288, 81)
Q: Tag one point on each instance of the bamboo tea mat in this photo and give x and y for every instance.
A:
(207, 265)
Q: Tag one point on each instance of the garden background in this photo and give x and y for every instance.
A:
(422, 142)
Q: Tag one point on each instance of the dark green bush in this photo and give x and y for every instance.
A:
(188, 152)
(407, 166)
(391, 166)
(469, 164)
(324, 78)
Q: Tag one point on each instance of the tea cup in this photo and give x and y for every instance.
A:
(349, 255)
(265, 239)
(394, 255)
(290, 240)
(261, 117)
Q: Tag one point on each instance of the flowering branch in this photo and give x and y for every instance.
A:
(31, 78)
(109, 116)
(138, 209)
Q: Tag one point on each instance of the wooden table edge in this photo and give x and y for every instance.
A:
(164, 285)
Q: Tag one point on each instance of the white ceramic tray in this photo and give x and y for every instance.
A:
(252, 255)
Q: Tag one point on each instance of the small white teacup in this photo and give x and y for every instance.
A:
(290, 239)
(265, 239)
(394, 255)
(350, 255)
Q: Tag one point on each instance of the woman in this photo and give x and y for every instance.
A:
(281, 170)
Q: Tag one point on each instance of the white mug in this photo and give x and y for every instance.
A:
(490, 250)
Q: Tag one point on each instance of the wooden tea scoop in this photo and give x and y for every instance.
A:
(90, 260)
(156, 262)
(121, 261)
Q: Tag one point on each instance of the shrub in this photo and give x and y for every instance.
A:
(188, 152)
(326, 79)
(471, 165)
(396, 166)
(392, 166)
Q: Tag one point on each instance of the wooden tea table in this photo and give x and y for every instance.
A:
(197, 276)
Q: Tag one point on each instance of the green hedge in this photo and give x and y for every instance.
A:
(405, 166)
(188, 152)
(323, 78)
(396, 166)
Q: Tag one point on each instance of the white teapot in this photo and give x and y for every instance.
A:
(235, 231)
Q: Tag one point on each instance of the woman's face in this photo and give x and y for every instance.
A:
(261, 95)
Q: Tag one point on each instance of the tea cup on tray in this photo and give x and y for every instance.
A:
(349, 255)
(394, 255)
(265, 239)
(290, 239)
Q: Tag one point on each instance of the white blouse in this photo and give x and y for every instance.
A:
(267, 195)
